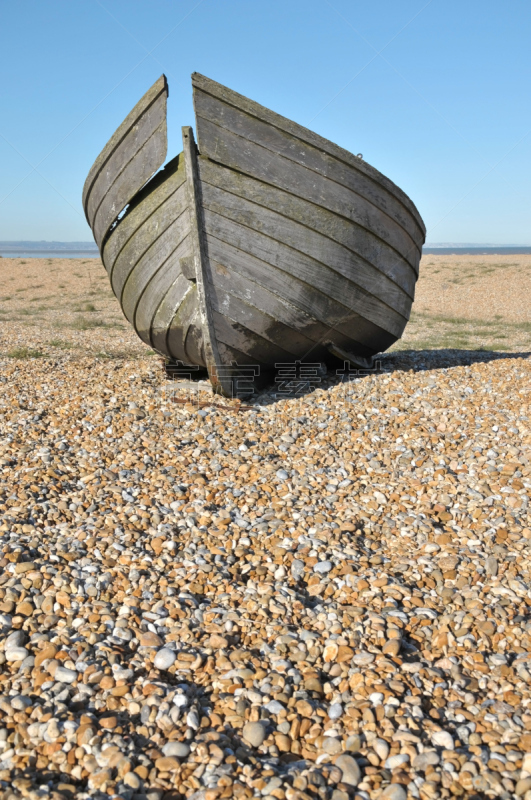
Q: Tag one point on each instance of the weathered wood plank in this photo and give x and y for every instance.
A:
(306, 269)
(186, 314)
(150, 124)
(187, 267)
(193, 343)
(352, 358)
(345, 232)
(204, 84)
(278, 141)
(333, 314)
(162, 249)
(259, 321)
(168, 307)
(128, 182)
(228, 280)
(310, 243)
(235, 335)
(142, 207)
(155, 96)
(150, 237)
(158, 285)
(231, 355)
(306, 332)
(202, 269)
(253, 159)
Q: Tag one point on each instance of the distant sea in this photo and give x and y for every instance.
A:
(48, 250)
(476, 251)
(89, 250)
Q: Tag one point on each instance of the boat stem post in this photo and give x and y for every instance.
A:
(220, 383)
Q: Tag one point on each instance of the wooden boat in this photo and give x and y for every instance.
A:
(265, 244)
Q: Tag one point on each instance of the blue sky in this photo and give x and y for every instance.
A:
(434, 94)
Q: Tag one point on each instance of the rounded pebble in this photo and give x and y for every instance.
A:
(396, 761)
(350, 771)
(176, 749)
(335, 711)
(164, 658)
(394, 792)
(254, 733)
(443, 739)
(16, 653)
(65, 675)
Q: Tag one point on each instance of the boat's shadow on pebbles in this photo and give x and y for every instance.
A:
(421, 360)
(398, 361)
(274, 387)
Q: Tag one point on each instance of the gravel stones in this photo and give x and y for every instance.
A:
(173, 611)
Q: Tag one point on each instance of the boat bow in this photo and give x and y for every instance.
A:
(135, 152)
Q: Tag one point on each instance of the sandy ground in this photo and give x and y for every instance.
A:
(471, 302)
(62, 307)
(66, 305)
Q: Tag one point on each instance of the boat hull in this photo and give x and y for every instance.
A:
(264, 245)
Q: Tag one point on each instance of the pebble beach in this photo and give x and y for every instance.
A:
(323, 596)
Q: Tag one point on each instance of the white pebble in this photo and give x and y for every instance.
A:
(16, 654)
(443, 739)
(164, 658)
(396, 760)
(65, 675)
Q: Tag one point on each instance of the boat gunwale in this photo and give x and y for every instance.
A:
(123, 130)
(241, 102)
(109, 224)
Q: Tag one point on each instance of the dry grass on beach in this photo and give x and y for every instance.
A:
(66, 305)
(62, 306)
(471, 302)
